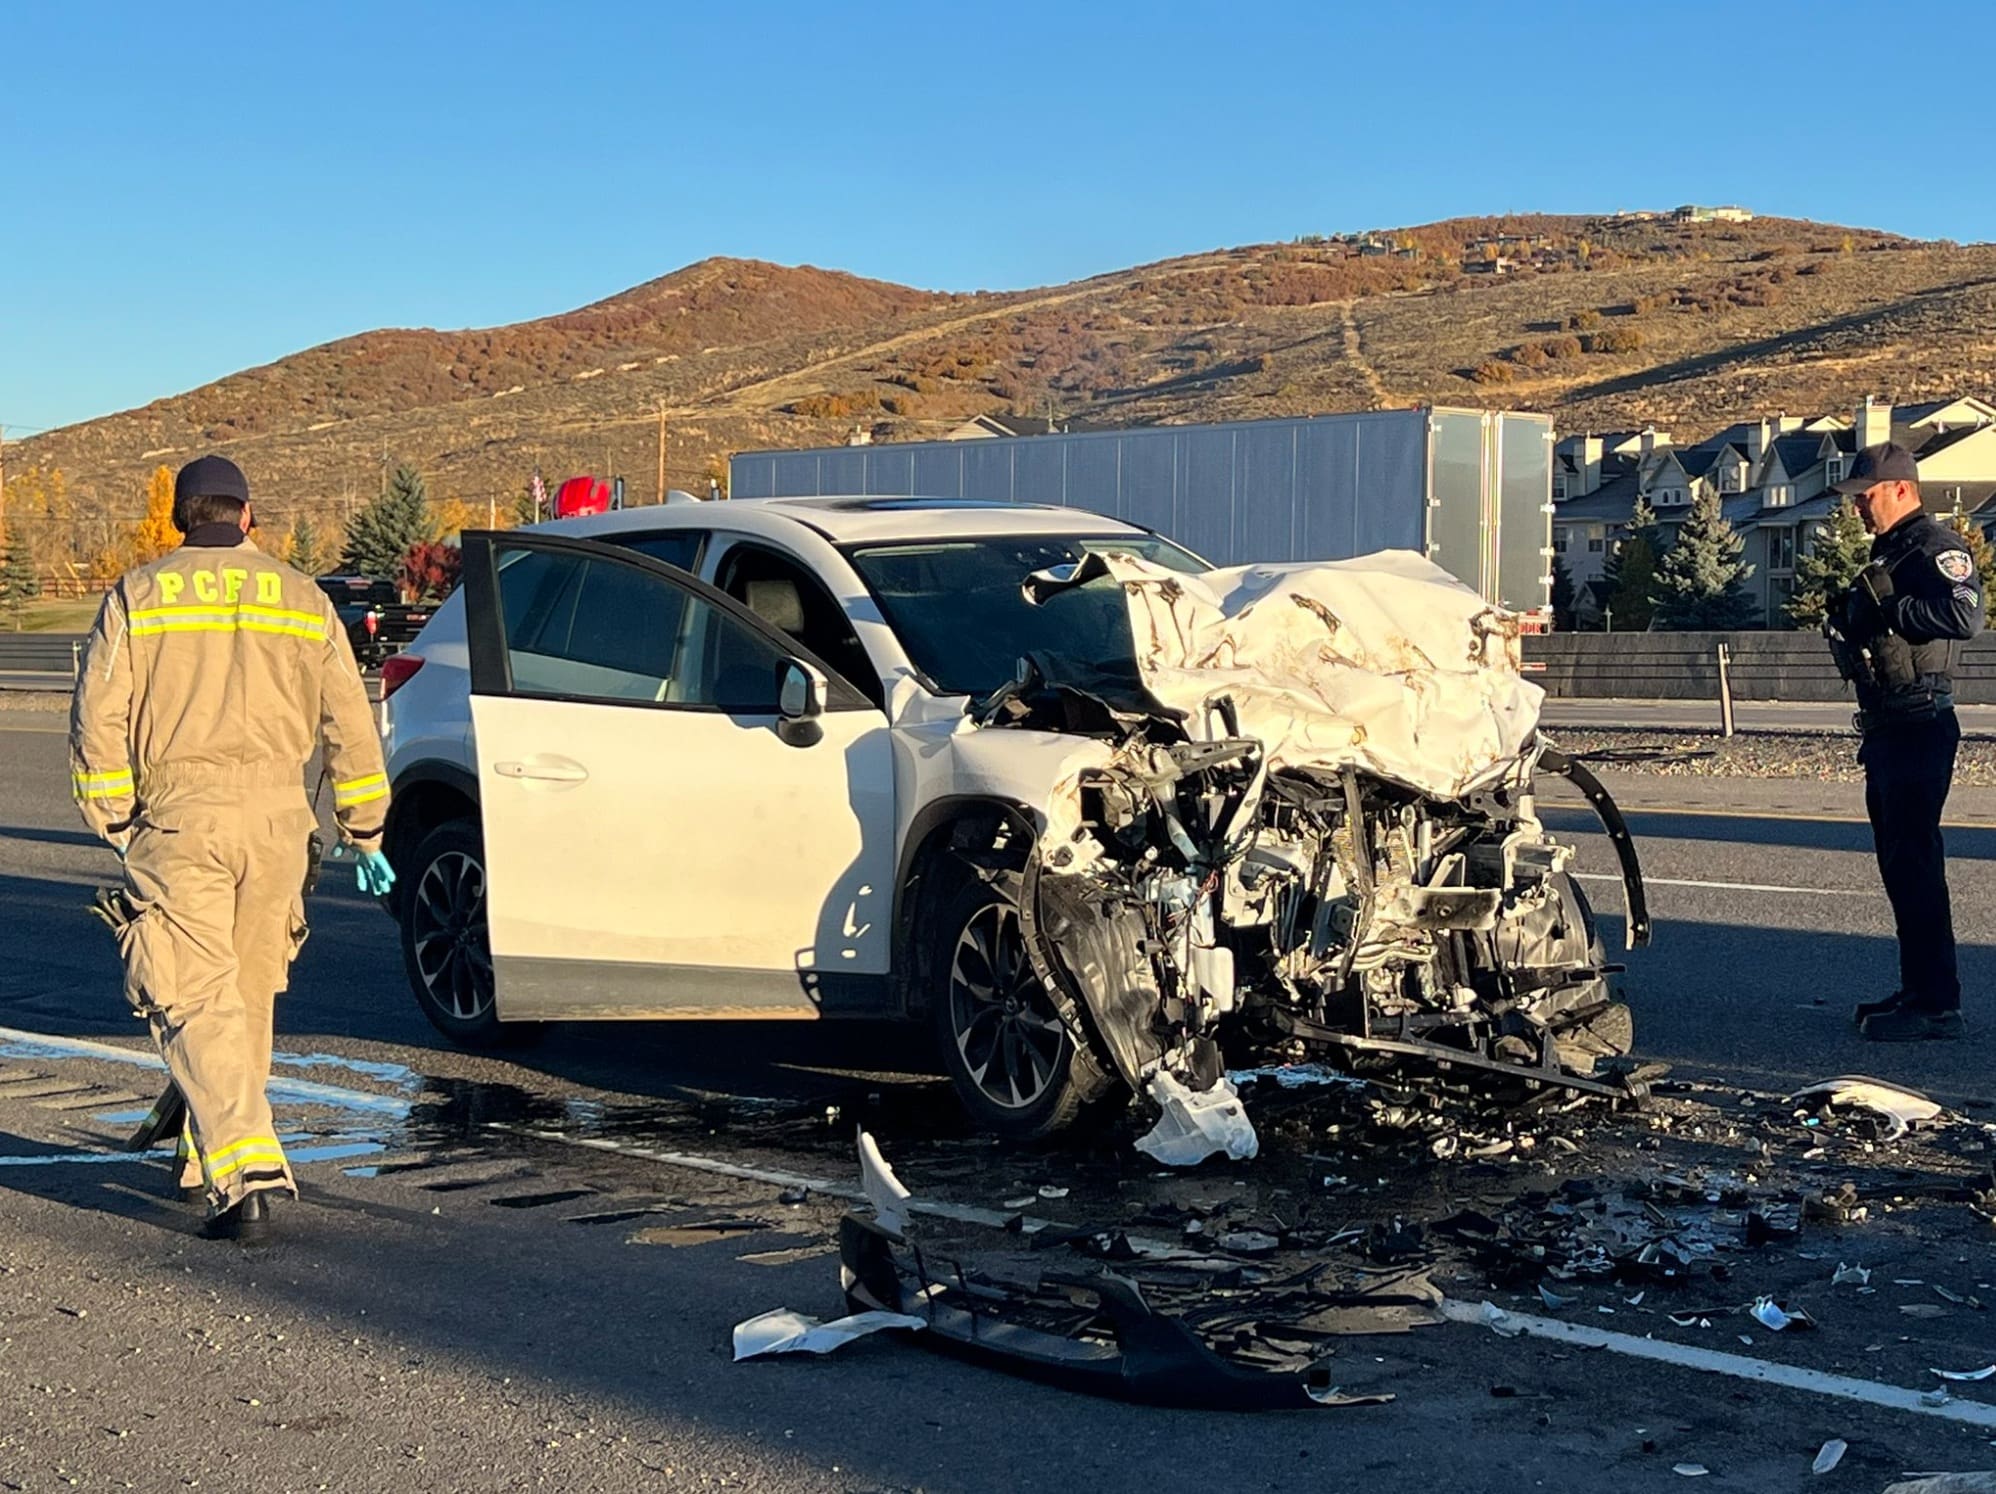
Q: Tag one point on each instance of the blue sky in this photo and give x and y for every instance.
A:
(193, 190)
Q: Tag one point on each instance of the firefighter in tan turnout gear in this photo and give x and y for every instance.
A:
(208, 680)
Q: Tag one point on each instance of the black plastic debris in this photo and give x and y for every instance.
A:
(1096, 1334)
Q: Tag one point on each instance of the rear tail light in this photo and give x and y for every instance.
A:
(397, 670)
(373, 623)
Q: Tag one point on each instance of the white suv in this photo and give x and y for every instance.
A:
(897, 758)
(711, 761)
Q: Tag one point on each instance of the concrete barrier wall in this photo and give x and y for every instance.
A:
(1684, 666)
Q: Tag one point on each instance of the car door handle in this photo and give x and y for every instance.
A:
(544, 769)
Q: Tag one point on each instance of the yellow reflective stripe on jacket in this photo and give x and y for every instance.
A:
(114, 785)
(360, 790)
(196, 617)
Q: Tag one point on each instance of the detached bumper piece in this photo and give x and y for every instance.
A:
(1115, 1346)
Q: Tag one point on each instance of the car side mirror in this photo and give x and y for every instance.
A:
(800, 701)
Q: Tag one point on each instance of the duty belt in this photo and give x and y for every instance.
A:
(1930, 710)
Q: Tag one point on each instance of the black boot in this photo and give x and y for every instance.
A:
(1866, 1010)
(1913, 1024)
(248, 1220)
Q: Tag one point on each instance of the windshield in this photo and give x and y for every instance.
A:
(959, 609)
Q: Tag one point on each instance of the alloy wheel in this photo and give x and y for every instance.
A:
(448, 934)
(1006, 1030)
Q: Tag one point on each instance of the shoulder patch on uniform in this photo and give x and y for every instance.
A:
(1956, 565)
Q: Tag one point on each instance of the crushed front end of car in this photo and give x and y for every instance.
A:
(1308, 832)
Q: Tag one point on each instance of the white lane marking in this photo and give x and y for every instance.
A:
(1729, 886)
(850, 1192)
(1683, 1356)
(297, 1156)
(14, 1043)
(1718, 1362)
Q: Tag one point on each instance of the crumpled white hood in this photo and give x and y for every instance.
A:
(1385, 663)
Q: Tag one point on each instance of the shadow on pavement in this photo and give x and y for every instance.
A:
(1965, 843)
(41, 836)
(1770, 1008)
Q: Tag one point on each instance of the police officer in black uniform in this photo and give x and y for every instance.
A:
(1895, 633)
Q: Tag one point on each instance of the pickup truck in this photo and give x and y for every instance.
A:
(377, 620)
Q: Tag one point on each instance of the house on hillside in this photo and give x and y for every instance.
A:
(1772, 477)
(1692, 213)
(984, 427)
(1581, 464)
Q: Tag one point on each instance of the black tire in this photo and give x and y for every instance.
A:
(444, 945)
(1014, 1067)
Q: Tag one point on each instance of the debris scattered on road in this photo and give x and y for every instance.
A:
(1850, 1276)
(1981, 1374)
(1690, 1470)
(787, 1332)
(883, 1190)
(1901, 1109)
(1832, 1454)
(1946, 1483)
(1099, 1333)
(1768, 1315)
(1196, 1124)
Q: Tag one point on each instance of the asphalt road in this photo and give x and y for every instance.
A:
(442, 1311)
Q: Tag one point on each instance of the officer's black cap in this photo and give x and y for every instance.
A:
(1887, 462)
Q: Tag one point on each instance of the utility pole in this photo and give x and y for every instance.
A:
(661, 451)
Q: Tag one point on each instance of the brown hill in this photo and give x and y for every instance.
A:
(1602, 321)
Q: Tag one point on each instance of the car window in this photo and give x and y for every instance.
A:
(585, 627)
(787, 596)
(591, 628)
(959, 608)
(676, 547)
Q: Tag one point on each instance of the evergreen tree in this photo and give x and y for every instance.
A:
(1631, 574)
(18, 583)
(382, 533)
(1562, 595)
(1976, 542)
(301, 548)
(1699, 582)
(1839, 549)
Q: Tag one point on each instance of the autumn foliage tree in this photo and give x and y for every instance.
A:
(430, 570)
(155, 534)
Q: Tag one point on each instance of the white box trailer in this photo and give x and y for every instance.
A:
(1471, 489)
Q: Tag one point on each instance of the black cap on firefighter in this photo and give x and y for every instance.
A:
(207, 477)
